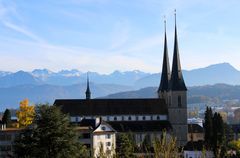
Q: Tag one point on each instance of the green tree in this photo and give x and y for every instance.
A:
(218, 138)
(101, 153)
(165, 147)
(6, 119)
(50, 135)
(208, 126)
(125, 146)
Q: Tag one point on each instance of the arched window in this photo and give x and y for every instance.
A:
(137, 118)
(144, 118)
(115, 118)
(129, 118)
(179, 101)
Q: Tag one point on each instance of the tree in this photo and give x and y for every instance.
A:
(101, 153)
(146, 144)
(208, 126)
(6, 119)
(215, 132)
(25, 114)
(235, 145)
(50, 135)
(125, 146)
(165, 147)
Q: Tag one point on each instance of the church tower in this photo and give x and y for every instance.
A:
(177, 97)
(88, 92)
(165, 78)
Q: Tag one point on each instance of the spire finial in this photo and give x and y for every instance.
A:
(165, 27)
(175, 15)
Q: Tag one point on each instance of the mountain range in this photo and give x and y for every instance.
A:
(42, 85)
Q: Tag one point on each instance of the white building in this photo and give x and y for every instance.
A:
(96, 134)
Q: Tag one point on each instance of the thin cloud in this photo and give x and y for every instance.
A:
(22, 31)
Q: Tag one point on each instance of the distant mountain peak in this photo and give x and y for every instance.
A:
(221, 65)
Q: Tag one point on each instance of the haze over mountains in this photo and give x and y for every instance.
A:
(42, 85)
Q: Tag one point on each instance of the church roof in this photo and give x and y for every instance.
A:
(140, 126)
(164, 83)
(101, 107)
(177, 82)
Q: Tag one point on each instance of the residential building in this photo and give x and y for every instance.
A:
(96, 134)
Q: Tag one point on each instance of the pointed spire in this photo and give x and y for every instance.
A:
(164, 84)
(88, 92)
(177, 82)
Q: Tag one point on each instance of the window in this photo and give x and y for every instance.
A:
(108, 143)
(107, 118)
(76, 119)
(151, 117)
(108, 136)
(103, 128)
(115, 118)
(179, 101)
(144, 118)
(122, 118)
(169, 100)
(158, 118)
(129, 118)
(137, 118)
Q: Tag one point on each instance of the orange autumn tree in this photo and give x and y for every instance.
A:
(25, 114)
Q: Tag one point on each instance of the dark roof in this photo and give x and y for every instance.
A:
(195, 128)
(164, 83)
(177, 82)
(88, 122)
(101, 107)
(140, 126)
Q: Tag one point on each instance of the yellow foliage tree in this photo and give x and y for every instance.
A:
(25, 114)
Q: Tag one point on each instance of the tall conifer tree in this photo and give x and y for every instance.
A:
(6, 119)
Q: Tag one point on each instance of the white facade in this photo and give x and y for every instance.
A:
(122, 118)
(103, 136)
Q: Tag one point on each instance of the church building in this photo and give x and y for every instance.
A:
(141, 116)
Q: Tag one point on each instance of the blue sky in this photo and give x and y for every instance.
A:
(108, 35)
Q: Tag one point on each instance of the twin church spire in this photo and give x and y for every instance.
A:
(171, 81)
